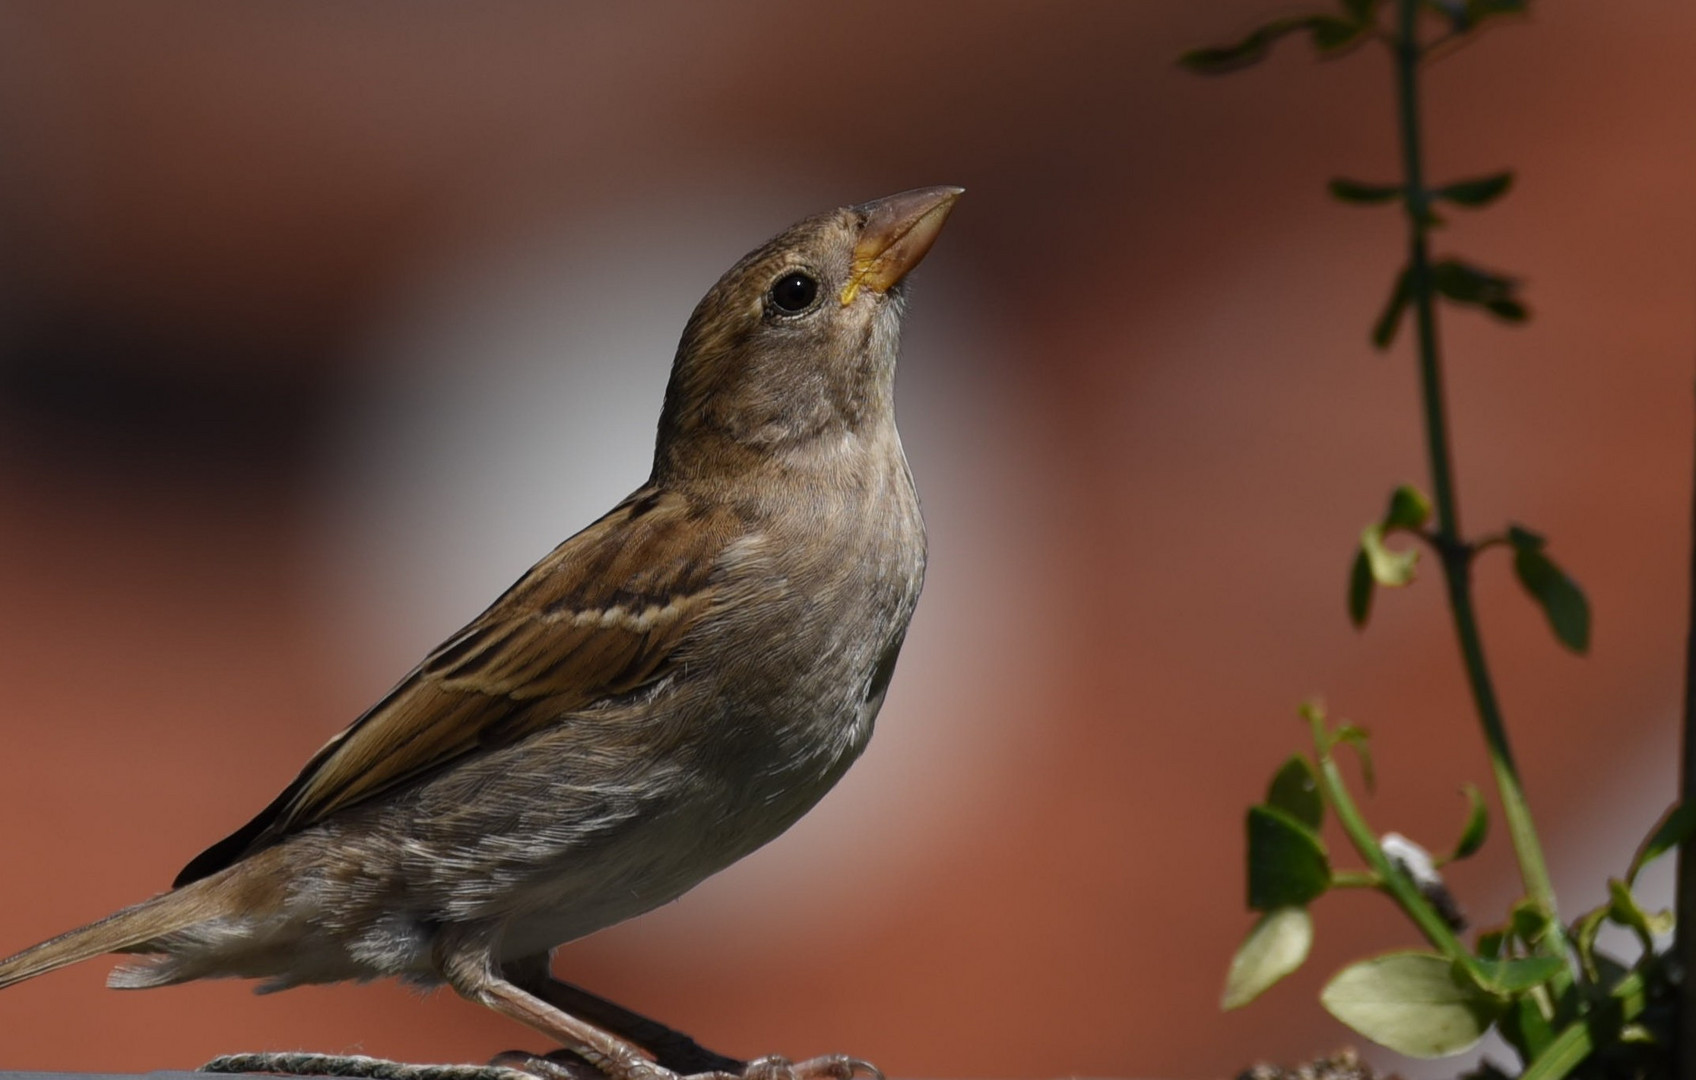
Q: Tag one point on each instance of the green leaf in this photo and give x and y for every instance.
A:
(1507, 310)
(1673, 829)
(1479, 10)
(1363, 12)
(1331, 34)
(1452, 10)
(1478, 191)
(1525, 1027)
(1409, 509)
(1295, 790)
(1384, 328)
(1465, 15)
(1357, 191)
(1624, 910)
(1529, 922)
(1412, 1002)
(1388, 567)
(1467, 284)
(1517, 975)
(1221, 59)
(1561, 599)
(1524, 539)
(1275, 947)
(1358, 740)
(1375, 563)
(1360, 589)
(1635, 1034)
(1287, 864)
(1490, 944)
(1252, 49)
(1609, 970)
(1313, 711)
(1477, 826)
(1584, 933)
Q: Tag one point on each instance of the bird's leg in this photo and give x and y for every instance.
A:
(467, 963)
(672, 1049)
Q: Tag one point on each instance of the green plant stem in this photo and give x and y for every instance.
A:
(1456, 554)
(1391, 879)
(1577, 1041)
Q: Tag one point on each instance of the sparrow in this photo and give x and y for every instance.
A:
(663, 693)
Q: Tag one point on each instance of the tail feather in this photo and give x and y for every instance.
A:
(131, 930)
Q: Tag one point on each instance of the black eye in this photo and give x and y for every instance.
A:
(794, 292)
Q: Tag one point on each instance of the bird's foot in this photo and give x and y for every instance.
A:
(824, 1067)
(565, 1065)
(559, 1065)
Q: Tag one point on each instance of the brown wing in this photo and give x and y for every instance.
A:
(600, 616)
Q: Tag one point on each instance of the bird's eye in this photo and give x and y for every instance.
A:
(794, 292)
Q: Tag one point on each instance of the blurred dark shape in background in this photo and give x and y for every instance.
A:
(320, 322)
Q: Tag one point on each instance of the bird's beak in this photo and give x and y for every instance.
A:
(897, 233)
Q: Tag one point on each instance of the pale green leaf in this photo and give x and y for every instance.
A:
(1413, 1003)
(1275, 947)
(1389, 567)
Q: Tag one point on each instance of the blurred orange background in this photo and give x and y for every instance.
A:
(320, 322)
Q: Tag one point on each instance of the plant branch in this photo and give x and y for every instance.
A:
(1578, 1041)
(1684, 926)
(1456, 555)
(1390, 877)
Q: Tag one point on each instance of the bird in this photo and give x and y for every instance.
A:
(664, 692)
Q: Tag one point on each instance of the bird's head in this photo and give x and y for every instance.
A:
(797, 341)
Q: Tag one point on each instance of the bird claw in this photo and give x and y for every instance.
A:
(823, 1067)
(559, 1065)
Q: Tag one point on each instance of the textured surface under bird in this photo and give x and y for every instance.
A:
(665, 692)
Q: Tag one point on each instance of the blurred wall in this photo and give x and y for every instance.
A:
(320, 322)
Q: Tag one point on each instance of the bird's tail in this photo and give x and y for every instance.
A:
(131, 930)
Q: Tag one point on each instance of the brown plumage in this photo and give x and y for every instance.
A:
(664, 692)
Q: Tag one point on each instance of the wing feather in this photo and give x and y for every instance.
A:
(600, 616)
